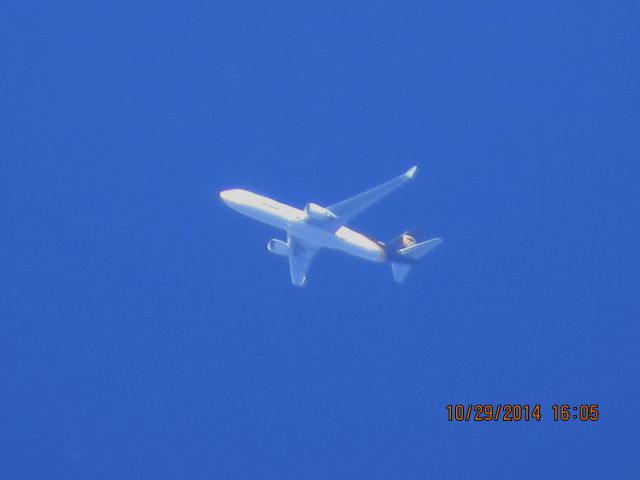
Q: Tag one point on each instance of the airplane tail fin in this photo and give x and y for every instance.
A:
(400, 270)
(404, 251)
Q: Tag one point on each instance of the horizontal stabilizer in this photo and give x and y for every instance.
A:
(402, 259)
(418, 250)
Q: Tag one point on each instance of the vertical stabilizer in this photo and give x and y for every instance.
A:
(400, 270)
(410, 251)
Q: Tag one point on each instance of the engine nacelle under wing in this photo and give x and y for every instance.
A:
(278, 247)
(316, 212)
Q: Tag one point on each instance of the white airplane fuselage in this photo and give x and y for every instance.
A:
(298, 224)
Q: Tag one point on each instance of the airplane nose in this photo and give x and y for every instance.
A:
(234, 197)
(225, 196)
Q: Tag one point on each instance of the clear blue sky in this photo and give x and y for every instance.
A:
(145, 332)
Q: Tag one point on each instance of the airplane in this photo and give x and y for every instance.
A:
(317, 227)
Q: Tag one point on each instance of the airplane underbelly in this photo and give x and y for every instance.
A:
(274, 218)
(358, 251)
(344, 239)
(359, 245)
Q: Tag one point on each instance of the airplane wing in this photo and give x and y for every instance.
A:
(347, 209)
(301, 255)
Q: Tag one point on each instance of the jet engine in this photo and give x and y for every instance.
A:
(278, 247)
(316, 212)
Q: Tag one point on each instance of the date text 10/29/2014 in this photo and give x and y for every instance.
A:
(515, 412)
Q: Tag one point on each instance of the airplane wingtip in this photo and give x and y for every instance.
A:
(411, 172)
